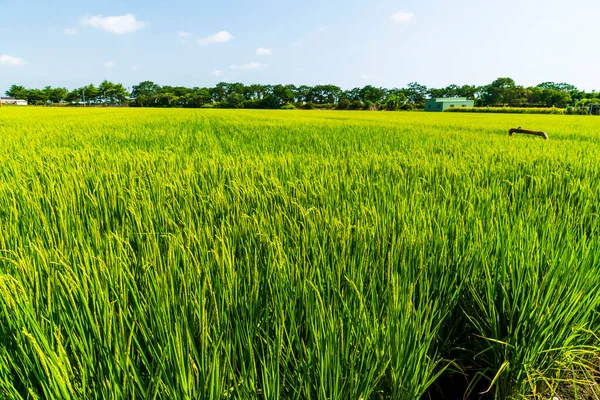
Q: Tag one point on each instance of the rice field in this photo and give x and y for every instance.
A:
(226, 254)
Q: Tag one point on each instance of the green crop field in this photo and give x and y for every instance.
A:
(225, 254)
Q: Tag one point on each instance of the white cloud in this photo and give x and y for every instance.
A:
(217, 73)
(403, 17)
(249, 66)
(12, 61)
(119, 25)
(263, 52)
(71, 31)
(109, 65)
(320, 28)
(366, 77)
(220, 37)
(184, 34)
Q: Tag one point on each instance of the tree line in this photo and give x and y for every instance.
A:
(500, 93)
(106, 93)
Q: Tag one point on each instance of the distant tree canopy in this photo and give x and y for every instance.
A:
(106, 93)
(501, 92)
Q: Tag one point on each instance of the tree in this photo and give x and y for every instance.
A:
(73, 96)
(352, 94)
(58, 95)
(344, 104)
(560, 99)
(356, 105)
(234, 100)
(146, 88)
(293, 89)
(89, 93)
(394, 101)
(435, 93)
(499, 92)
(254, 92)
(47, 94)
(166, 97)
(560, 87)
(144, 93)
(416, 93)
(517, 97)
(284, 94)
(37, 96)
(371, 94)
(469, 91)
(105, 92)
(324, 94)
(237, 88)
(198, 98)
(219, 92)
(112, 93)
(120, 94)
(18, 92)
(535, 96)
(270, 101)
(452, 91)
(302, 94)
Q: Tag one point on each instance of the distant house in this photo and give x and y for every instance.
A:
(443, 104)
(13, 101)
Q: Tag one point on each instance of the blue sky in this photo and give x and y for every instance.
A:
(344, 42)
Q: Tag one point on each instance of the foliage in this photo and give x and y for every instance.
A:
(502, 92)
(395, 101)
(152, 253)
(344, 104)
(508, 110)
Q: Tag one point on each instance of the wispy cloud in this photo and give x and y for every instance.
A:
(109, 65)
(11, 61)
(118, 25)
(403, 17)
(217, 73)
(250, 66)
(261, 51)
(184, 35)
(220, 37)
(71, 31)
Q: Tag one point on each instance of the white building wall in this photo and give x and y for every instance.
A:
(16, 102)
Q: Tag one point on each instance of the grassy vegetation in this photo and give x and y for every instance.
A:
(325, 255)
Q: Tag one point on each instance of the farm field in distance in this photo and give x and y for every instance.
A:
(229, 254)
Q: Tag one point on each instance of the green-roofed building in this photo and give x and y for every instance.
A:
(445, 103)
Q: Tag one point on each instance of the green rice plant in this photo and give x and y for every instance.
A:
(149, 253)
